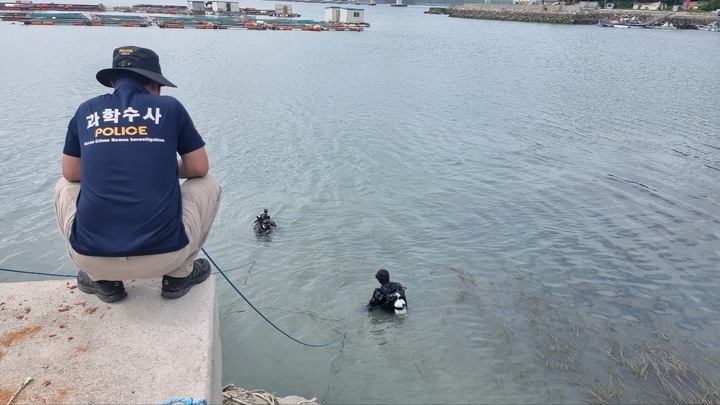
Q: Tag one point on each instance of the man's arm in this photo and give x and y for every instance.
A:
(376, 300)
(193, 164)
(71, 168)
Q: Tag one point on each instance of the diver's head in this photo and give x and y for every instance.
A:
(383, 276)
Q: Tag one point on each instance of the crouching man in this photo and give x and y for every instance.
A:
(120, 204)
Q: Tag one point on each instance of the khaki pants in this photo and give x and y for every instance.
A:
(200, 203)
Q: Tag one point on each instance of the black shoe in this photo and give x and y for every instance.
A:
(177, 287)
(108, 291)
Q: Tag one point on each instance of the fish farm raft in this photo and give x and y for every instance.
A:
(173, 17)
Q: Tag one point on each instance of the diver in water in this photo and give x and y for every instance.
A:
(263, 223)
(265, 217)
(389, 296)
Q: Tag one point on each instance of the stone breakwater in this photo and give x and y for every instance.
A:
(561, 14)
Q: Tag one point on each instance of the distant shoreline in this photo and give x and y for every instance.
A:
(563, 14)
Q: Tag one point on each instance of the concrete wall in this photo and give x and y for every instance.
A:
(564, 14)
(518, 7)
(144, 349)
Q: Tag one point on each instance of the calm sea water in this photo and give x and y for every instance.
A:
(545, 193)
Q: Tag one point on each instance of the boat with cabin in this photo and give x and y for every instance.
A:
(621, 22)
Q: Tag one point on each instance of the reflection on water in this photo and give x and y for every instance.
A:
(554, 249)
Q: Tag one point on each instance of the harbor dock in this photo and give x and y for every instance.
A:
(176, 21)
(200, 16)
(77, 349)
(61, 346)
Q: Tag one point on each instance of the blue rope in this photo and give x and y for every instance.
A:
(186, 401)
(263, 316)
(39, 273)
(229, 282)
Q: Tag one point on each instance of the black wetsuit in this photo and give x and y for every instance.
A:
(383, 296)
(264, 217)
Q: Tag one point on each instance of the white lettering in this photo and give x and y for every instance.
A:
(130, 113)
(111, 115)
(93, 120)
(156, 117)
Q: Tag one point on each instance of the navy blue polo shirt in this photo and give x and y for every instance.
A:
(130, 202)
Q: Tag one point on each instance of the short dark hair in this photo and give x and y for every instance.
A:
(131, 75)
(383, 276)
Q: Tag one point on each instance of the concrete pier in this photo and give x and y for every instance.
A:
(143, 350)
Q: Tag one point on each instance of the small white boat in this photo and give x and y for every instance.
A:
(713, 26)
(629, 23)
(621, 22)
(665, 26)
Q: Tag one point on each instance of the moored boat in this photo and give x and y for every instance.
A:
(621, 22)
(629, 23)
(713, 27)
(665, 26)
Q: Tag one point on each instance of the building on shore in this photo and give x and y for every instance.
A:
(649, 6)
(196, 6)
(225, 7)
(343, 15)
